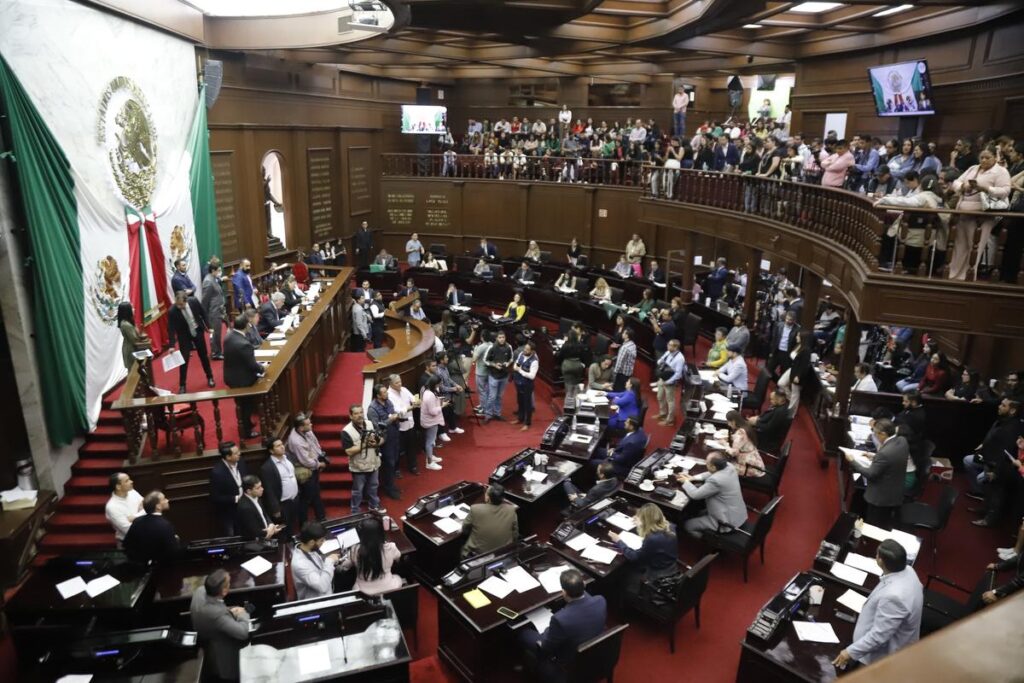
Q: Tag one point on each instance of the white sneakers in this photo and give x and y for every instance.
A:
(1006, 553)
(432, 465)
(444, 437)
(458, 430)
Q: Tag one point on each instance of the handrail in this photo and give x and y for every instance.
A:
(402, 350)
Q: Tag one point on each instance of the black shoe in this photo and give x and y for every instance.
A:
(394, 494)
(251, 435)
(975, 496)
(210, 383)
(981, 523)
(398, 474)
(181, 389)
(415, 471)
(216, 356)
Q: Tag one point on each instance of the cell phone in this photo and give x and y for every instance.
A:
(507, 613)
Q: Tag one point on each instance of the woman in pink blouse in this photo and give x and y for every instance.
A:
(988, 177)
(744, 450)
(431, 417)
(373, 558)
(836, 165)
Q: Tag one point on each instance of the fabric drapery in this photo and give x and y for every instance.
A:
(204, 206)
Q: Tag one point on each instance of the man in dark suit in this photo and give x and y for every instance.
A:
(253, 521)
(1000, 476)
(270, 313)
(582, 619)
(151, 537)
(213, 303)
(885, 474)
(627, 453)
(180, 281)
(486, 250)
(773, 424)
(911, 424)
(655, 274)
(364, 246)
(241, 370)
(186, 323)
(252, 330)
(280, 487)
(606, 485)
(714, 284)
(226, 487)
(409, 288)
(784, 338)
(222, 630)
(242, 285)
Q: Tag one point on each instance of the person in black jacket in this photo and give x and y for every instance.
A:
(574, 358)
(910, 424)
(280, 487)
(253, 521)
(799, 371)
(241, 370)
(607, 484)
(151, 538)
(784, 338)
(1000, 474)
(364, 246)
(186, 324)
(773, 424)
(226, 486)
(658, 554)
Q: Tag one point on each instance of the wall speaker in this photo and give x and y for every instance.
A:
(213, 74)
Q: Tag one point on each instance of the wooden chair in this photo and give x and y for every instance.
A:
(596, 659)
(751, 535)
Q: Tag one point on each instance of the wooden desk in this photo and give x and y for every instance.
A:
(842, 534)
(671, 507)
(18, 532)
(437, 552)
(583, 520)
(578, 450)
(162, 664)
(409, 347)
(532, 497)
(784, 658)
(479, 643)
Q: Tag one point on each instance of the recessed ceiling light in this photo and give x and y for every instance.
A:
(892, 10)
(751, 25)
(265, 8)
(815, 7)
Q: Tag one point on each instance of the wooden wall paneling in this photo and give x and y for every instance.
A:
(254, 246)
(492, 210)
(321, 179)
(222, 163)
(556, 214)
(297, 219)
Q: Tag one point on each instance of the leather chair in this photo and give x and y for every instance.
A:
(751, 535)
(941, 609)
(690, 333)
(755, 399)
(596, 659)
(771, 480)
(666, 611)
(933, 518)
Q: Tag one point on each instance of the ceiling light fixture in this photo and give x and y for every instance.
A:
(752, 26)
(815, 7)
(265, 8)
(892, 10)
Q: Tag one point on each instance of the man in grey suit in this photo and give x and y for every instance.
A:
(490, 524)
(213, 304)
(222, 630)
(721, 495)
(891, 618)
(360, 322)
(884, 475)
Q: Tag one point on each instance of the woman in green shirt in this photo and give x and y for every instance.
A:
(717, 355)
(643, 309)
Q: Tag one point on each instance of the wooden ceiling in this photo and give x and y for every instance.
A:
(631, 41)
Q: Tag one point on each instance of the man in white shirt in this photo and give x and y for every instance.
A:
(679, 103)
(863, 379)
(402, 400)
(414, 251)
(281, 494)
(785, 120)
(539, 128)
(312, 572)
(734, 372)
(672, 361)
(638, 134)
(124, 506)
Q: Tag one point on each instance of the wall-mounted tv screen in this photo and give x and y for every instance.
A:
(903, 89)
(424, 119)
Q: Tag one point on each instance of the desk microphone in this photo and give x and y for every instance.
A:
(341, 626)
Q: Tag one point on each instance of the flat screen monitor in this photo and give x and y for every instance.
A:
(418, 119)
(903, 89)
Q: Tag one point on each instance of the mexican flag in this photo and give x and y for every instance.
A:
(106, 214)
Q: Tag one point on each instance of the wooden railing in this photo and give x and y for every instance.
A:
(289, 385)
(543, 168)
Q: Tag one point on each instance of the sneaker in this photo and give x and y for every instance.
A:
(1007, 555)
(458, 430)
(445, 438)
(379, 510)
(654, 385)
(437, 458)
(433, 466)
(1001, 551)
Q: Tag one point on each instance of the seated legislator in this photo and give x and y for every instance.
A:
(601, 292)
(386, 260)
(601, 375)
(490, 524)
(718, 353)
(516, 310)
(409, 288)
(453, 297)
(863, 381)
(292, 294)
(657, 556)
(885, 474)
(532, 252)
(890, 619)
(773, 424)
(523, 274)
(372, 558)
(722, 497)
(624, 404)
(486, 250)
(416, 311)
(312, 571)
(252, 330)
(151, 537)
(253, 521)
(627, 452)
(606, 485)
(270, 314)
(739, 335)
(222, 630)
(643, 308)
(582, 619)
(734, 373)
(743, 451)
(566, 282)
(481, 269)
(655, 274)
(623, 268)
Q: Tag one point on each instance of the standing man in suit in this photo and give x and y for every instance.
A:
(222, 630)
(884, 474)
(280, 487)
(490, 524)
(583, 618)
(304, 450)
(773, 424)
(361, 323)
(270, 313)
(214, 305)
(242, 284)
(627, 453)
(253, 521)
(783, 341)
(714, 284)
(186, 323)
(364, 246)
(241, 370)
(226, 486)
(890, 620)
(721, 495)
(151, 537)
(607, 484)
(180, 281)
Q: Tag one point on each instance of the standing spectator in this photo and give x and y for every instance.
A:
(714, 284)
(361, 331)
(573, 357)
(986, 178)
(222, 630)
(414, 250)
(564, 119)
(625, 361)
(213, 304)
(525, 369)
(636, 249)
(130, 335)
(281, 488)
(186, 325)
(936, 375)
(362, 445)
(799, 370)
(885, 474)
(241, 283)
(305, 451)
(679, 103)
(253, 518)
(376, 310)
(180, 281)
(990, 470)
(669, 371)
(739, 335)
(241, 370)
(403, 401)
(385, 420)
(364, 246)
(836, 165)
(124, 506)
(498, 359)
(431, 417)
(226, 487)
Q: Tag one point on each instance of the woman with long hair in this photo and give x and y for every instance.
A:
(601, 291)
(799, 370)
(658, 553)
(968, 388)
(129, 333)
(516, 308)
(373, 558)
(743, 451)
(431, 417)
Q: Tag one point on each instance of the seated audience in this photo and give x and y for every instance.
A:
(566, 282)
(601, 291)
(532, 252)
(936, 376)
(486, 250)
(623, 268)
(481, 269)
(523, 274)
(968, 388)
(516, 309)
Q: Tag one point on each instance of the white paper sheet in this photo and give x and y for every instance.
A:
(854, 452)
(275, 336)
(631, 540)
(521, 580)
(348, 538)
(863, 563)
(540, 618)
(848, 573)
(622, 521)
(535, 476)
(598, 553)
(448, 525)
(331, 545)
(715, 445)
(279, 342)
(75, 678)
(707, 375)
(496, 586)
(71, 587)
(314, 659)
(257, 565)
(601, 504)
(873, 532)
(445, 511)
(550, 579)
(852, 600)
(266, 354)
(581, 541)
(101, 585)
(720, 416)
(172, 360)
(910, 543)
(461, 511)
(815, 632)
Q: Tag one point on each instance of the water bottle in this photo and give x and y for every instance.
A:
(408, 331)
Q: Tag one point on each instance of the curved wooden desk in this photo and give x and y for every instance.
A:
(408, 349)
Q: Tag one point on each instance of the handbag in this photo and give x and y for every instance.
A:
(302, 474)
(989, 203)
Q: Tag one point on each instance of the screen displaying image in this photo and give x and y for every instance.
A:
(424, 119)
(903, 89)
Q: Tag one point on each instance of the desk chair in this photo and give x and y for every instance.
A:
(690, 332)
(667, 604)
(931, 518)
(940, 610)
(406, 601)
(596, 659)
(754, 400)
(545, 256)
(751, 535)
(438, 250)
(601, 344)
(617, 294)
(176, 419)
(771, 480)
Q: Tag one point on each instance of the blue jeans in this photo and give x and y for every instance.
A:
(483, 391)
(364, 483)
(678, 123)
(905, 385)
(495, 392)
(429, 439)
(975, 474)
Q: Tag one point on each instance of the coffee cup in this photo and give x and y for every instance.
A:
(648, 483)
(816, 593)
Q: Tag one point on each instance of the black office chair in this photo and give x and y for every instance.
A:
(940, 610)
(582, 261)
(667, 601)
(774, 445)
(755, 399)
(932, 518)
(691, 331)
(771, 480)
(438, 250)
(751, 535)
(617, 294)
(601, 344)
(596, 659)
(545, 256)
(406, 601)
(583, 285)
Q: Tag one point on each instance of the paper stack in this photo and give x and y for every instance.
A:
(18, 499)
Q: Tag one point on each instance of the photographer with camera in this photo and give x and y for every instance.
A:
(304, 450)
(362, 444)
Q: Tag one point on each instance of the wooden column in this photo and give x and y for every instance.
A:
(811, 293)
(847, 361)
(753, 273)
(686, 268)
